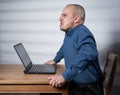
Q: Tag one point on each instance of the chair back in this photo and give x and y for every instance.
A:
(109, 71)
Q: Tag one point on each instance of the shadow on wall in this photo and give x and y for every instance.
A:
(115, 48)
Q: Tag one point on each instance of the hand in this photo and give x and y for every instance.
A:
(56, 81)
(50, 62)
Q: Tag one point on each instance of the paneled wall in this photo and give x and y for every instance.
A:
(35, 23)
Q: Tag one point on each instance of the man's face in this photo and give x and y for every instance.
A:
(67, 19)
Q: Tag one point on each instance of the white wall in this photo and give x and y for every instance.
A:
(35, 23)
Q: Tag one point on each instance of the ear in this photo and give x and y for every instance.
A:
(77, 19)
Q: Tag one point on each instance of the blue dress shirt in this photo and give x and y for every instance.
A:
(81, 56)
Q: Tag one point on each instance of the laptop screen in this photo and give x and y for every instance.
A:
(22, 54)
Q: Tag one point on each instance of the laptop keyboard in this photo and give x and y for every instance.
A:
(36, 68)
(41, 68)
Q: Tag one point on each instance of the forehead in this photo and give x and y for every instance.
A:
(68, 9)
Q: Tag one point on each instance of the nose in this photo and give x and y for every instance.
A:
(60, 18)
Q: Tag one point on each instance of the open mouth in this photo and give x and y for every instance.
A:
(61, 23)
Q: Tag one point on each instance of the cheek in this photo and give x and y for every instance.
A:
(68, 23)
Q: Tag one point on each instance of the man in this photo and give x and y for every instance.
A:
(80, 54)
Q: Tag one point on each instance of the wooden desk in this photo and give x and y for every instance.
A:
(13, 80)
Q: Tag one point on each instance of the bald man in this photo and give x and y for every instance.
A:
(80, 54)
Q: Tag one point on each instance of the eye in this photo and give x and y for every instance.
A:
(64, 15)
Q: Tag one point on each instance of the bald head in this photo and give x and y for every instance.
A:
(77, 10)
(71, 16)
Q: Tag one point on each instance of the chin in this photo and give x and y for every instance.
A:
(63, 29)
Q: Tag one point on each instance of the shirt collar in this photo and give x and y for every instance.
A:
(70, 32)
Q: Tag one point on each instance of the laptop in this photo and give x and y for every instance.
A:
(31, 68)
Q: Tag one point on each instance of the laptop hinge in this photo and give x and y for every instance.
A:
(28, 67)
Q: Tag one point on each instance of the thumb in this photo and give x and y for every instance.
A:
(49, 78)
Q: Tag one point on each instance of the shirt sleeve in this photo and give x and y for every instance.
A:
(59, 55)
(86, 54)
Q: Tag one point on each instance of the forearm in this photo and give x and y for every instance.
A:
(80, 62)
(59, 55)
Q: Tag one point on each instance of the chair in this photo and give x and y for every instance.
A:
(109, 71)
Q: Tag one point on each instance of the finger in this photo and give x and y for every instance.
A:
(53, 84)
(56, 83)
(49, 78)
(60, 85)
(48, 63)
(51, 81)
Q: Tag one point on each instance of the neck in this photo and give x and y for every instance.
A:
(74, 27)
(76, 24)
